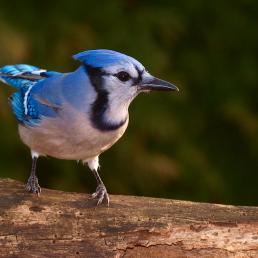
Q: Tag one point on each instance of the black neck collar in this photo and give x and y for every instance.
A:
(101, 103)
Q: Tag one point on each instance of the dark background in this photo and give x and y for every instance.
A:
(200, 144)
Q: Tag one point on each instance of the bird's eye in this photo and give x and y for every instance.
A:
(123, 76)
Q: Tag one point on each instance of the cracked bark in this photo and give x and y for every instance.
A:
(60, 224)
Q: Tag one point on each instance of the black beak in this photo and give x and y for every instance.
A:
(155, 84)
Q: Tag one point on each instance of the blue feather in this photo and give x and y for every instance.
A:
(24, 77)
(16, 101)
(10, 75)
(103, 57)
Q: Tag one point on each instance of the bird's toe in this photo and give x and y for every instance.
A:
(101, 194)
(33, 186)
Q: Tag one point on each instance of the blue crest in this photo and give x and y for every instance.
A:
(104, 57)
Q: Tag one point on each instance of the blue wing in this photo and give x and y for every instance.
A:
(25, 106)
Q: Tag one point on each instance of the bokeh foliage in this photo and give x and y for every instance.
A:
(200, 144)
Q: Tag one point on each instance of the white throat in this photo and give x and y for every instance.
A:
(118, 105)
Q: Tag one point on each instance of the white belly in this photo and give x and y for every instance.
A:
(69, 139)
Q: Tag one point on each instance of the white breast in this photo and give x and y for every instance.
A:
(70, 137)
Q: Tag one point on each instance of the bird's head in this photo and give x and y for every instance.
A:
(119, 74)
(117, 79)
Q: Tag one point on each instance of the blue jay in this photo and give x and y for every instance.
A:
(77, 115)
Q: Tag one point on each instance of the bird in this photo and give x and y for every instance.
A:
(77, 115)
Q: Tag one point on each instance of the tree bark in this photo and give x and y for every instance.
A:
(62, 224)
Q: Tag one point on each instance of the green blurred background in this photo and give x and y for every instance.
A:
(200, 144)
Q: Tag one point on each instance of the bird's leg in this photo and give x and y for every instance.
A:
(32, 185)
(101, 191)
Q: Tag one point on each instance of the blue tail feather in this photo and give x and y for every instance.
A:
(17, 69)
(20, 75)
(23, 77)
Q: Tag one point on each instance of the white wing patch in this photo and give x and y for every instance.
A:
(26, 99)
(38, 72)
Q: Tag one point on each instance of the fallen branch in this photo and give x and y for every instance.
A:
(61, 224)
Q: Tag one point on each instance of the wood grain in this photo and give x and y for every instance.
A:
(61, 224)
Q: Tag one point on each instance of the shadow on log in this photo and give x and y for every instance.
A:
(61, 224)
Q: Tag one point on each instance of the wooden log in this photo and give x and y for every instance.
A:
(62, 224)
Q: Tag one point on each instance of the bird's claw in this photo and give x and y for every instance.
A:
(32, 185)
(101, 194)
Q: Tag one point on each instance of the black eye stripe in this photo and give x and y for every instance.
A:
(124, 76)
(139, 78)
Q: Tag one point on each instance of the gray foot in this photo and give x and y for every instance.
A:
(32, 185)
(101, 194)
